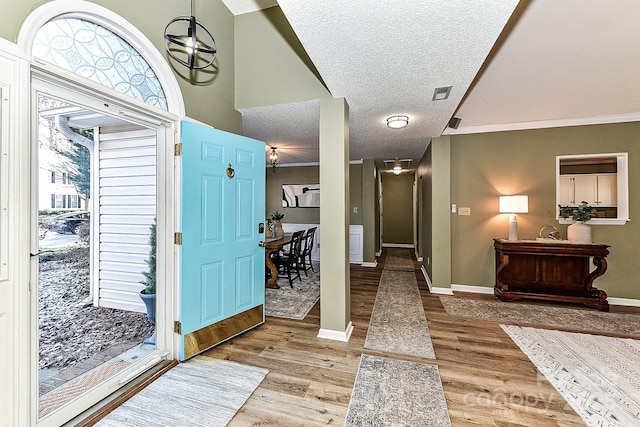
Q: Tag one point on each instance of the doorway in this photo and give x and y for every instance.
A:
(397, 209)
(94, 197)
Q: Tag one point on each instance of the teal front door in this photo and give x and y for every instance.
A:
(222, 267)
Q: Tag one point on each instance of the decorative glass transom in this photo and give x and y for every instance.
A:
(98, 54)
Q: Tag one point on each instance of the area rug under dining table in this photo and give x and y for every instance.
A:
(294, 303)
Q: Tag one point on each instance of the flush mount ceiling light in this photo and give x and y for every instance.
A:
(441, 93)
(190, 50)
(397, 165)
(274, 159)
(397, 122)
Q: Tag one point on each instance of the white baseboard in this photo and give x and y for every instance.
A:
(426, 277)
(330, 334)
(442, 291)
(624, 301)
(487, 290)
(397, 245)
(370, 264)
(472, 289)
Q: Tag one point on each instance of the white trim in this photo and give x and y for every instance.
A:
(542, 124)
(291, 165)
(624, 301)
(114, 22)
(398, 245)
(370, 264)
(330, 334)
(489, 291)
(442, 291)
(426, 277)
(472, 289)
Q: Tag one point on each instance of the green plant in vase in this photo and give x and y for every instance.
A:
(583, 212)
(276, 217)
(578, 232)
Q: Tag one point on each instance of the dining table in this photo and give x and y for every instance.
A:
(272, 245)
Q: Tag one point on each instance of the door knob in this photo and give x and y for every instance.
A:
(262, 244)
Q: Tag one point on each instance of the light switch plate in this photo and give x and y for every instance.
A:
(464, 211)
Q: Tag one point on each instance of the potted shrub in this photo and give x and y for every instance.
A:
(276, 217)
(578, 232)
(148, 294)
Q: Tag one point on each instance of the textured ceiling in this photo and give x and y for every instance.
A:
(548, 63)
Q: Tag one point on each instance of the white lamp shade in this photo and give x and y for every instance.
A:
(514, 204)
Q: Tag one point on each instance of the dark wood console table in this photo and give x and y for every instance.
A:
(550, 271)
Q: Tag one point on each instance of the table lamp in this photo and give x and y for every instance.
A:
(514, 205)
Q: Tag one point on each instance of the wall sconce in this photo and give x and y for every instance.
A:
(514, 205)
(397, 122)
(274, 159)
(190, 45)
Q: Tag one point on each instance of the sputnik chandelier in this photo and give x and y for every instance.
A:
(197, 49)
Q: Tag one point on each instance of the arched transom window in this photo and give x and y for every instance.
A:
(96, 53)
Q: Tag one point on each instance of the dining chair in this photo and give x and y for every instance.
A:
(287, 259)
(305, 254)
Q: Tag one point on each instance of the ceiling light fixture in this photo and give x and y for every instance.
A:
(187, 49)
(274, 159)
(441, 93)
(397, 122)
(397, 165)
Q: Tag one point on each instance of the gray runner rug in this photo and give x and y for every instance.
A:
(391, 392)
(199, 392)
(399, 259)
(297, 302)
(598, 376)
(398, 324)
(587, 320)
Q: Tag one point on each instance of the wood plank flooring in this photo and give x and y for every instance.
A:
(487, 380)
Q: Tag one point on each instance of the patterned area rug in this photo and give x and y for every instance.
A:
(398, 324)
(587, 320)
(399, 259)
(391, 392)
(199, 392)
(598, 376)
(297, 302)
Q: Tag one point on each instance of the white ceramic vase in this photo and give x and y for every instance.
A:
(277, 229)
(579, 232)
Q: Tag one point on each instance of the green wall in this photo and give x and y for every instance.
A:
(271, 65)
(485, 166)
(397, 210)
(309, 175)
(209, 94)
(425, 209)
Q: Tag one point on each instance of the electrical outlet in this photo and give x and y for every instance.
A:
(355, 209)
(454, 208)
(464, 211)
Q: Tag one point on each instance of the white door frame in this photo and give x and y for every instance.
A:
(19, 396)
(94, 98)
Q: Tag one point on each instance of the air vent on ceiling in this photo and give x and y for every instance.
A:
(441, 93)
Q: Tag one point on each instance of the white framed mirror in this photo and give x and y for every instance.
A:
(602, 180)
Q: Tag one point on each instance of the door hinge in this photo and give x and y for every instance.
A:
(177, 327)
(177, 238)
(178, 149)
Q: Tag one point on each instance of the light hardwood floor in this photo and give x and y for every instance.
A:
(487, 380)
